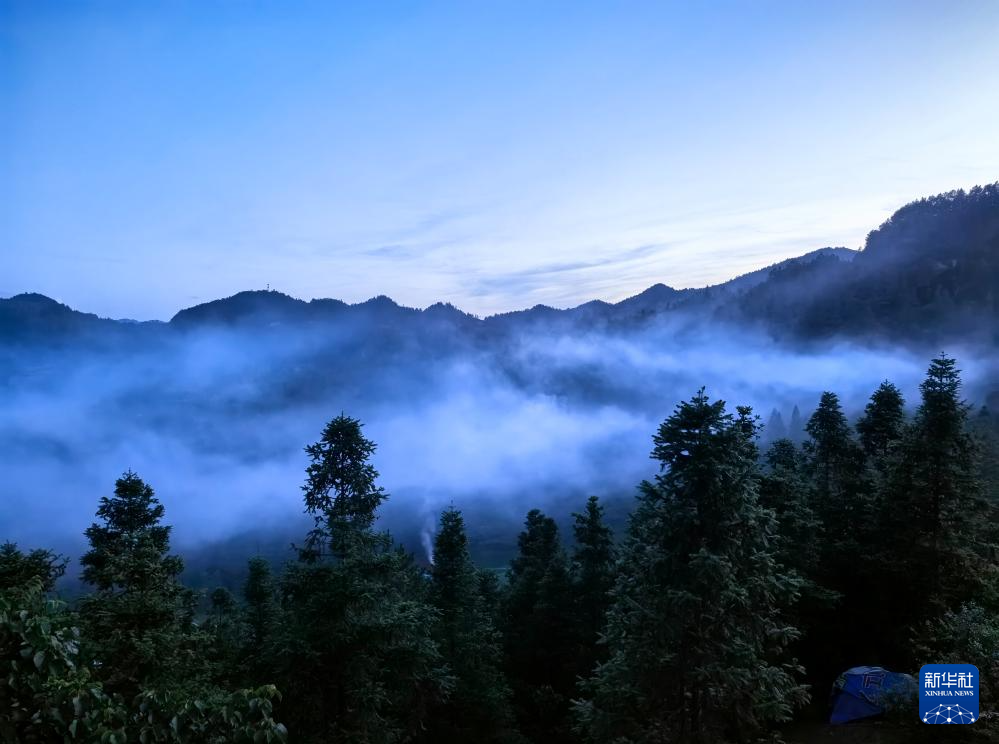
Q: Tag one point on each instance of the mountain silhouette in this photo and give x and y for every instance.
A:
(928, 275)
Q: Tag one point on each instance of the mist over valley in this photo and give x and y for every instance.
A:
(538, 407)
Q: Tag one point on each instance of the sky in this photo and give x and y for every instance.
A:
(491, 155)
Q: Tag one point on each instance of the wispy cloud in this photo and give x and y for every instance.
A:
(552, 275)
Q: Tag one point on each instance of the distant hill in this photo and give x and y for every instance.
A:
(930, 274)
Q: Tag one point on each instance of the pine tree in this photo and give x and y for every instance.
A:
(593, 574)
(479, 707)
(340, 489)
(355, 651)
(538, 631)
(138, 624)
(941, 525)
(883, 424)
(775, 428)
(784, 489)
(846, 502)
(695, 633)
(840, 497)
(796, 429)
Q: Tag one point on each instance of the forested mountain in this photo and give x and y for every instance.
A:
(927, 275)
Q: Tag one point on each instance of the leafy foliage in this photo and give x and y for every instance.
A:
(19, 569)
(47, 694)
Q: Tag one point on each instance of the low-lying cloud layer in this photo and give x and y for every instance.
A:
(216, 421)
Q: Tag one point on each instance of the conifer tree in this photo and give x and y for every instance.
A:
(840, 495)
(478, 708)
(775, 428)
(883, 424)
(538, 631)
(593, 574)
(796, 428)
(695, 633)
(784, 489)
(845, 500)
(340, 489)
(138, 624)
(940, 526)
(355, 650)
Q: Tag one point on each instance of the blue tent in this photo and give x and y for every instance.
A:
(866, 691)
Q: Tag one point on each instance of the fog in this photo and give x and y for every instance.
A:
(216, 421)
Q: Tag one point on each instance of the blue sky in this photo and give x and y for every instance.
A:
(494, 155)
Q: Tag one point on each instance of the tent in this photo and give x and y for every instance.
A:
(868, 691)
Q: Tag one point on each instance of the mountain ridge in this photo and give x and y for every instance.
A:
(930, 272)
(237, 304)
